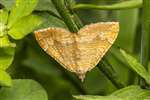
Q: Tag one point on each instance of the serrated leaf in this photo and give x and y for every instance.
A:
(23, 89)
(5, 79)
(24, 26)
(136, 66)
(4, 42)
(6, 57)
(22, 8)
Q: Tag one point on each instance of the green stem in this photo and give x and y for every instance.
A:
(66, 15)
(122, 5)
(145, 41)
(108, 70)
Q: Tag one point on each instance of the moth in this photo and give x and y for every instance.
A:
(78, 52)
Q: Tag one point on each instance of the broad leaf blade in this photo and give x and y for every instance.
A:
(131, 91)
(46, 5)
(136, 66)
(88, 97)
(23, 89)
(5, 79)
(51, 21)
(22, 8)
(24, 26)
(6, 57)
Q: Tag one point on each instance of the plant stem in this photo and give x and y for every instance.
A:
(122, 5)
(108, 70)
(66, 15)
(145, 41)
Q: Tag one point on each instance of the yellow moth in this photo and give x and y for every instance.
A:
(78, 52)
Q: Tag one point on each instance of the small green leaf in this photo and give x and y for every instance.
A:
(3, 21)
(2, 29)
(136, 66)
(3, 16)
(4, 42)
(6, 57)
(23, 89)
(22, 8)
(5, 79)
(24, 26)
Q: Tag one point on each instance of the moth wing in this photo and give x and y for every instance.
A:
(94, 41)
(57, 42)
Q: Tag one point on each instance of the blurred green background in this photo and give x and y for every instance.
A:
(32, 62)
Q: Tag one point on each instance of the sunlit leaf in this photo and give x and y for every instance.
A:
(6, 57)
(3, 16)
(4, 42)
(23, 90)
(136, 66)
(5, 79)
(3, 21)
(22, 8)
(24, 26)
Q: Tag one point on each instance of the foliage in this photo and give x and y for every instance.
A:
(21, 57)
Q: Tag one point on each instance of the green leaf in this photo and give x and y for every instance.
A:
(120, 5)
(3, 16)
(90, 97)
(8, 4)
(132, 91)
(23, 89)
(6, 57)
(136, 66)
(51, 21)
(5, 79)
(24, 26)
(4, 42)
(22, 8)
(3, 21)
(46, 5)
